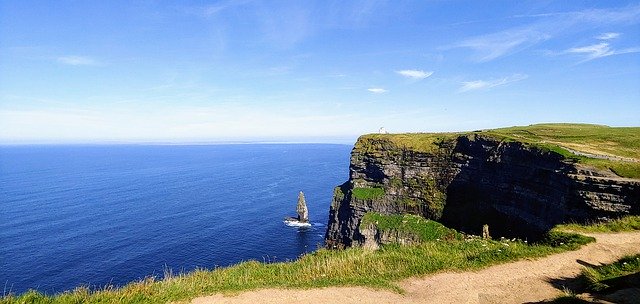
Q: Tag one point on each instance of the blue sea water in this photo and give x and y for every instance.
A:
(110, 214)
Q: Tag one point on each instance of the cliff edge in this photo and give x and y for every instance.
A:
(521, 181)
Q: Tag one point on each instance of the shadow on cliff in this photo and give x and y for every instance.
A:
(521, 191)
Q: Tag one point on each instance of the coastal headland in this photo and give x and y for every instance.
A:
(407, 226)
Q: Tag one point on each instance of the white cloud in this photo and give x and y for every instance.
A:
(492, 46)
(608, 36)
(593, 51)
(415, 74)
(486, 84)
(599, 50)
(377, 90)
(77, 60)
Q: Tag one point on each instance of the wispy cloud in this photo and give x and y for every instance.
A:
(608, 36)
(487, 84)
(415, 74)
(377, 90)
(625, 14)
(491, 46)
(78, 60)
(593, 51)
(215, 9)
(599, 50)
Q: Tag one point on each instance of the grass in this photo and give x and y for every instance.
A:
(350, 267)
(624, 142)
(367, 193)
(414, 225)
(628, 223)
(422, 142)
(567, 240)
(621, 142)
(606, 279)
(621, 168)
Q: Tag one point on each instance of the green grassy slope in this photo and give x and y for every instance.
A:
(594, 139)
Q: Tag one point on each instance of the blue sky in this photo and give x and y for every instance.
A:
(180, 71)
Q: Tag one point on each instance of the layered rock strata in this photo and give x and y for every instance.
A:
(468, 180)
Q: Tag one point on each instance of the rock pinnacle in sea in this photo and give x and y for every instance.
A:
(303, 212)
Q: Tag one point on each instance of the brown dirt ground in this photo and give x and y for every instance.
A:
(517, 282)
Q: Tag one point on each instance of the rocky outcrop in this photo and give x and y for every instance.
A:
(301, 209)
(466, 181)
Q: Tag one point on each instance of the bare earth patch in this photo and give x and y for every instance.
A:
(517, 282)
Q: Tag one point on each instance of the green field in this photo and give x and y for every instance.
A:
(595, 139)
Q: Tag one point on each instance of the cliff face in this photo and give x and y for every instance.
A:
(466, 181)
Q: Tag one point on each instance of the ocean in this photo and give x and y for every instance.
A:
(97, 215)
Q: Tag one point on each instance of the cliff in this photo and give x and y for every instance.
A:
(519, 181)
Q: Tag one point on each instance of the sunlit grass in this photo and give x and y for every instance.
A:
(350, 267)
(627, 223)
(605, 279)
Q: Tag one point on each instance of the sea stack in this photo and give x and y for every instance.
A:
(303, 212)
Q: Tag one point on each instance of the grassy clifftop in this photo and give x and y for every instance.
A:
(621, 142)
(613, 148)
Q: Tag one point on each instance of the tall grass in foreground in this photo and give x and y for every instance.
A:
(351, 267)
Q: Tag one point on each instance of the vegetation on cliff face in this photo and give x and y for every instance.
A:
(409, 224)
(350, 267)
(367, 193)
(416, 227)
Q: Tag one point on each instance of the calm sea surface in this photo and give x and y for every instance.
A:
(98, 215)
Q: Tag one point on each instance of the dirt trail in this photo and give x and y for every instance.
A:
(601, 156)
(517, 282)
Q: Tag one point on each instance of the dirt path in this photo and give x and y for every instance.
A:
(601, 156)
(517, 282)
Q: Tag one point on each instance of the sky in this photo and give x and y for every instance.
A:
(310, 71)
